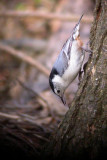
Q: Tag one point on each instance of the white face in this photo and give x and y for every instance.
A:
(59, 93)
(58, 89)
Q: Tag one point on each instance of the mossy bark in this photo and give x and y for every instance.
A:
(82, 133)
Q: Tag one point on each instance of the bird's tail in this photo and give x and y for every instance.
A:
(77, 25)
(75, 32)
(80, 19)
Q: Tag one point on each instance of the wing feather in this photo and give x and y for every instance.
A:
(62, 61)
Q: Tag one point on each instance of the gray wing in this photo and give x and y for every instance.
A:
(62, 61)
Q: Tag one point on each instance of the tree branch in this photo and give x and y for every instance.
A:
(25, 58)
(43, 15)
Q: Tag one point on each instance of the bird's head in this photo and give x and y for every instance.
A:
(58, 89)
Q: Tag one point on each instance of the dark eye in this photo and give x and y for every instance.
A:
(58, 91)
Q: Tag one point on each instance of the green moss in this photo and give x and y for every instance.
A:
(20, 6)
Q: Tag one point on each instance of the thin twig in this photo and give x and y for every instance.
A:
(44, 15)
(38, 95)
(41, 137)
(9, 116)
(16, 117)
(29, 89)
(21, 55)
(19, 118)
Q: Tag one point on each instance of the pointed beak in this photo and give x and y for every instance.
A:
(63, 100)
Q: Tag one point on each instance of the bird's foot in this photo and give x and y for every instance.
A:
(80, 76)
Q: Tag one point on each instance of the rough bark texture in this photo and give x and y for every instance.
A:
(82, 133)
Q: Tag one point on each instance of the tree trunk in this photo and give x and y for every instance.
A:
(82, 133)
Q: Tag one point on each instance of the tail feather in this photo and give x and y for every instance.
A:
(75, 32)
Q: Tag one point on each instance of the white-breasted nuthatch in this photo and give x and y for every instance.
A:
(68, 63)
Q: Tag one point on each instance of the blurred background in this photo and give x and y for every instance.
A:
(32, 33)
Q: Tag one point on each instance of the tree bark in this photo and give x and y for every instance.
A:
(82, 133)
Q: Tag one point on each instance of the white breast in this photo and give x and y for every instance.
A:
(75, 62)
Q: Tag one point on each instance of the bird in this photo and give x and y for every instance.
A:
(68, 63)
